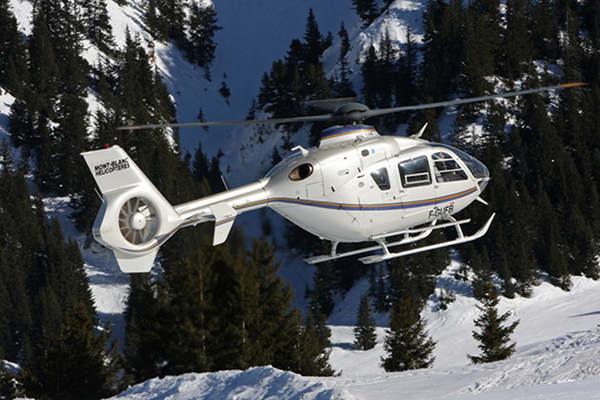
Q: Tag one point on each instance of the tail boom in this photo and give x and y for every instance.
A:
(135, 219)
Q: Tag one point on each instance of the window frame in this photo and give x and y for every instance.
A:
(458, 170)
(298, 178)
(387, 184)
(403, 176)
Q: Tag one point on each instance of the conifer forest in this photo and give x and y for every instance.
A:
(227, 307)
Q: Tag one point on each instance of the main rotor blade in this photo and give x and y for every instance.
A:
(382, 111)
(310, 118)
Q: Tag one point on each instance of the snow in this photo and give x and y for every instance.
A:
(254, 383)
(23, 10)
(558, 347)
(549, 313)
(6, 101)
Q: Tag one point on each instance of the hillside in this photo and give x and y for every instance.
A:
(558, 347)
(545, 201)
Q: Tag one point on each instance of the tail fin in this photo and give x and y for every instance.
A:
(135, 219)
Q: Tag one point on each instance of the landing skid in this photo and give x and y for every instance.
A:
(419, 233)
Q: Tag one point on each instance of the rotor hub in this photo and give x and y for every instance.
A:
(138, 221)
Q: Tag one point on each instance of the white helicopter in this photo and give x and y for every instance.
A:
(355, 186)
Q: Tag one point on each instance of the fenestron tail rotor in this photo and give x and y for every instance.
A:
(348, 111)
(138, 221)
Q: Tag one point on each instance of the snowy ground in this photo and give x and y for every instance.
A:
(557, 357)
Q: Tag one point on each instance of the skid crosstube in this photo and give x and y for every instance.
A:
(421, 234)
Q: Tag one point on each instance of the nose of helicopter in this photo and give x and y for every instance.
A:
(484, 178)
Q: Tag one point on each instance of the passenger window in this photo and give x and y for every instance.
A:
(414, 172)
(301, 172)
(381, 178)
(446, 169)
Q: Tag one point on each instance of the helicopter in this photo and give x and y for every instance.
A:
(355, 186)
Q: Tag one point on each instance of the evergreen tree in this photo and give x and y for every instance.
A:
(369, 69)
(141, 319)
(406, 89)
(272, 329)
(12, 51)
(74, 364)
(225, 91)
(443, 48)
(406, 343)
(380, 291)
(322, 295)
(202, 26)
(344, 86)
(155, 24)
(97, 26)
(314, 46)
(517, 47)
(8, 384)
(365, 337)
(43, 67)
(366, 11)
(493, 336)
(313, 358)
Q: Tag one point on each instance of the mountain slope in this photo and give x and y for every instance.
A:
(558, 348)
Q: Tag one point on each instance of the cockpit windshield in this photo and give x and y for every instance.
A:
(475, 166)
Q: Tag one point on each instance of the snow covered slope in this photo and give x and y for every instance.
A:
(549, 313)
(254, 383)
(557, 358)
(559, 369)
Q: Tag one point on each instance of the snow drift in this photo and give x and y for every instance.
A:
(255, 383)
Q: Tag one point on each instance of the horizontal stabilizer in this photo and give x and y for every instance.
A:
(224, 217)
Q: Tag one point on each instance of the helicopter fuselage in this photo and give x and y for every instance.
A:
(368, 186)
(355, 186)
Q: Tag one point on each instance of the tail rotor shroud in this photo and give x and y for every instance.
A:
(138, 220)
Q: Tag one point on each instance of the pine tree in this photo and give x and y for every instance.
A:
(8, 386)
(493, 336)
(313, 358)
(406, 88)
(366, 11)
(380, 291)
(74, 364)
(314, 40)
(155, 24)
(370, 70)
(202, 26)
(97, 25)
(443, 50)
(271, 331)
(322, 295)
(141, 319)
(517, 46)
(406, 343)
(344, 86)
(365, 337)
(12, 51)
(43, 67)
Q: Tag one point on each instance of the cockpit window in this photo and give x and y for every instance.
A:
(381, 178)
(301, 172)
(414, 172)
(446, 169)
(475, 166)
